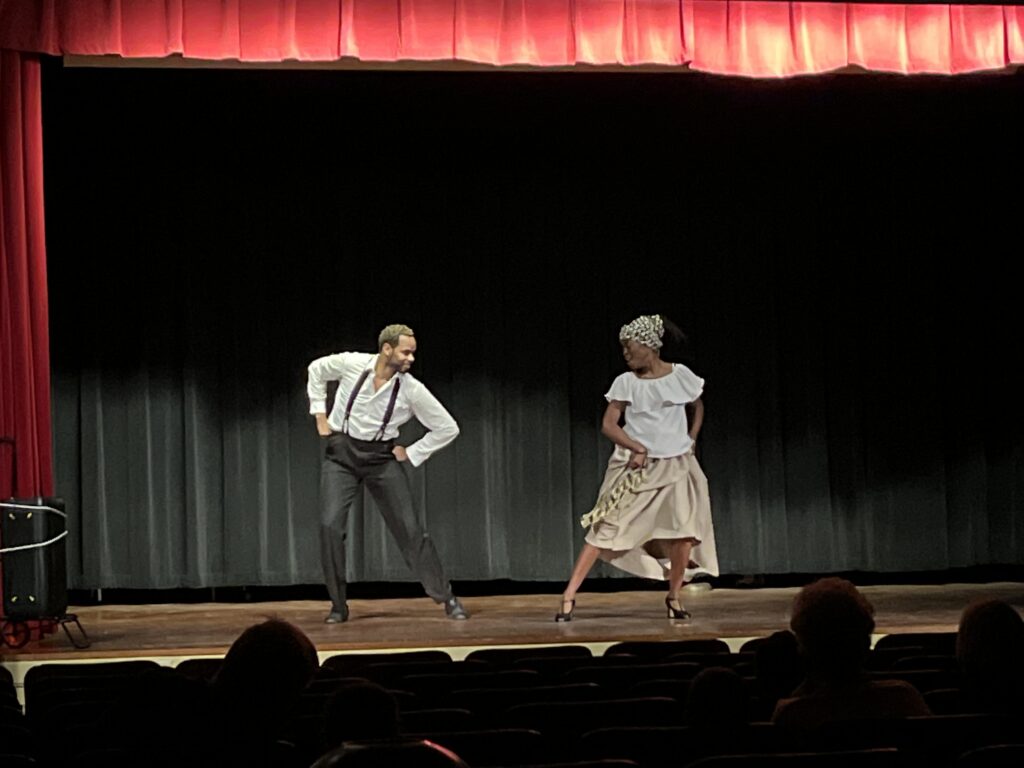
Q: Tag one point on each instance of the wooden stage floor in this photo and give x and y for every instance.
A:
(175, 631)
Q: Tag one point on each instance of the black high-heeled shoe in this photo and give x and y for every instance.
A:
(566, 615)
(675, 613)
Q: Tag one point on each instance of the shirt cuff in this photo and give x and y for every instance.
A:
(416, 454)
(317, 406)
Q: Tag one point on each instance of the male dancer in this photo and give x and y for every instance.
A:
(376, 395)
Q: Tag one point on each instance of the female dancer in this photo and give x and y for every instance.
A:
(653, 513)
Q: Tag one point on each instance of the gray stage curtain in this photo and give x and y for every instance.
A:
(863, 409)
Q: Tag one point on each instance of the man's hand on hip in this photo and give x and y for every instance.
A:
(400, 453)
(322, 427)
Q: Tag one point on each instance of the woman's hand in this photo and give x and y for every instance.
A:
(638, 459)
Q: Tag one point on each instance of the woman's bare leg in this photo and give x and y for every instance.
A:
(679, 556)
(584, 562)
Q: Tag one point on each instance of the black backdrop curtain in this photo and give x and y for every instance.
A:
(839, 251)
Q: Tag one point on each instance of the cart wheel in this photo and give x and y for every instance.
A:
(16, 633)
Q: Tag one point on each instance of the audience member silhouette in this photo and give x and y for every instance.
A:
(833, 623)
(406, 754)
(990, 652)
(257, 686)
(778, 666)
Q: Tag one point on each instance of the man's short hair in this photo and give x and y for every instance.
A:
(390, 335)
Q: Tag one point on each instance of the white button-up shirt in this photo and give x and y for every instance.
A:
(414, 400)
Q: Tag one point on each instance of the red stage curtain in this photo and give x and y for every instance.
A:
(760, 39)
(24, 327)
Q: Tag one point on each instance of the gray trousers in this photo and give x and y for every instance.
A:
(348, 464)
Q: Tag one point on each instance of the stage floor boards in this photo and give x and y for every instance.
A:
(178, 631)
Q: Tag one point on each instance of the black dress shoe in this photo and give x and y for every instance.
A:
(453, 609)
(336, 617)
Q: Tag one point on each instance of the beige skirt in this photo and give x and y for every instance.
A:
(639, 513)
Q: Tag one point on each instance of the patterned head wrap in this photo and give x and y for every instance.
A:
(646, 330)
